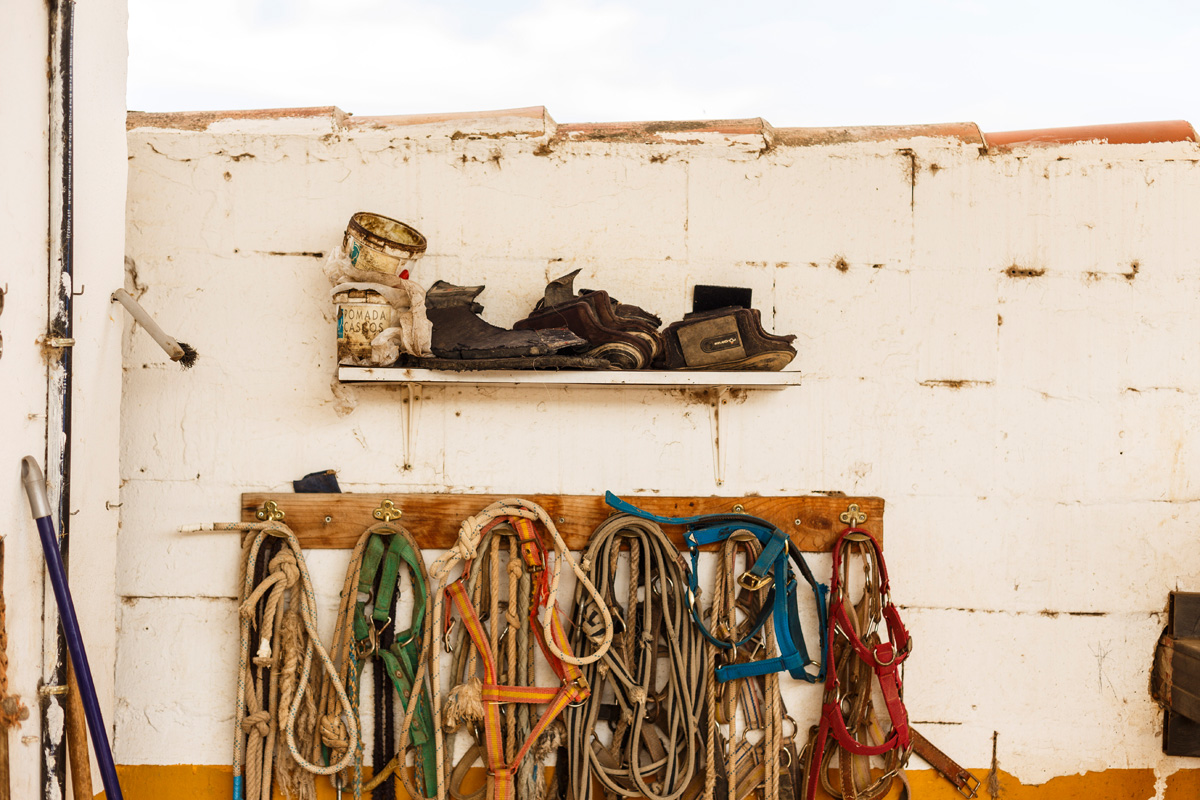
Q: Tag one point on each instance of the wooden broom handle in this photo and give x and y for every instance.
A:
(77, 741)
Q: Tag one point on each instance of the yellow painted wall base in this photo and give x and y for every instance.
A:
(153, 782)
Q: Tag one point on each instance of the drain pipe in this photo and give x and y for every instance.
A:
(58, 398)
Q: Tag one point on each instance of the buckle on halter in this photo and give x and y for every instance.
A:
(752, 582)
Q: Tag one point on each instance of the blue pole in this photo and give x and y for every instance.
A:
(39, 504)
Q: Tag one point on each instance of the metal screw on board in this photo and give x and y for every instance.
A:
(561, 520)
(796, 522)
(328, 519)
(739, 509)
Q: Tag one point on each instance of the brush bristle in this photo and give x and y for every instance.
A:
(189, 356)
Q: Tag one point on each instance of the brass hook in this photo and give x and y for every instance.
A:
(387, 511)
(853, 516)
(270, 512)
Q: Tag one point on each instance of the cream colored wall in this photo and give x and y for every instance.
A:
(1035, 438)
(24, 118)
(100, 176)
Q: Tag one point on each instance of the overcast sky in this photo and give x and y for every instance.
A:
(1004, 65)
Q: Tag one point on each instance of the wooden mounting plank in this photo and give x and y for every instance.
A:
(334, 521)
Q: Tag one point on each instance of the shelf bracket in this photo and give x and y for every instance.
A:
(408, 414)
(720, 398)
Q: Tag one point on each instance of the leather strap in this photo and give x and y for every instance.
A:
(966, 783)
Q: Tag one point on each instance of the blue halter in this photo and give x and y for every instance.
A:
(770, 569)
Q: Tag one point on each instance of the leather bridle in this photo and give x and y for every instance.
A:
(860, 658)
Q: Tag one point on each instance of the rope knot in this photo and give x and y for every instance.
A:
(468, 537)
(638, 694)
(285, 562)
(333, 733)
(259, 721)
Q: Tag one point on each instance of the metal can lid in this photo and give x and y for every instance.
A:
(353, 296)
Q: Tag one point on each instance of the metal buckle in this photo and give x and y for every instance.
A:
(752, 582)
(969, 786)
(580, 683)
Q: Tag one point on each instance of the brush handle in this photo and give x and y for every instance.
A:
(31, 475)
(140, 316)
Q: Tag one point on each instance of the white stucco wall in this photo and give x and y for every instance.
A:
(100, 175)
(1035, 438)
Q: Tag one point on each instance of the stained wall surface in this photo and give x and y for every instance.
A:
(1001, 343)
(26, 133)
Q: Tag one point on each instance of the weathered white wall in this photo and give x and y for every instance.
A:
(24, 118)
(1035, 438)
(100, 175)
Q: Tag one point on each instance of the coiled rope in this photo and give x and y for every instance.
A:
(654, 721)
(278, 601)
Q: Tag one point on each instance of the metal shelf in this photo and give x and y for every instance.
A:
(605, 378)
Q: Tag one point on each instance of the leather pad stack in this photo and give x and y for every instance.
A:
(462, 340)
(623, 335)
(725, 339)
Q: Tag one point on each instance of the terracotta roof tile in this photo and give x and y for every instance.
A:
(200, 120)
(1120, 133)
(805, 137)
(536, 113)
(536, 120)
(652, 132)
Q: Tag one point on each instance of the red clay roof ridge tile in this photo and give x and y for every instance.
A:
(404, 120)
(967, 132)
(653, 132)
(201, 120)
(1118, 133)
(674, 131)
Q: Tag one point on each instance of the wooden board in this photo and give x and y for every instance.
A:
(337, 520)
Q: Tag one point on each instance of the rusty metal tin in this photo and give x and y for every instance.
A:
(362, 315)
(377, 243)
